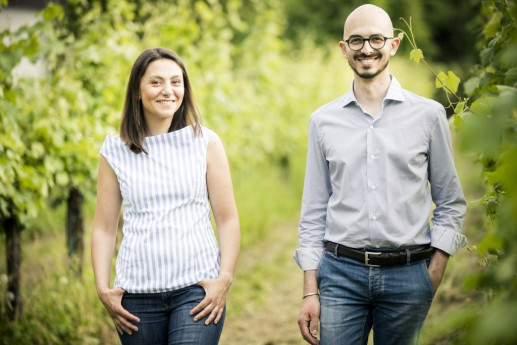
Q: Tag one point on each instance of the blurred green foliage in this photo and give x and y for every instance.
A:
(486, 122)
(446, 29)
(490, 130)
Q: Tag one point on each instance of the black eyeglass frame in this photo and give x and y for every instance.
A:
(367, 39)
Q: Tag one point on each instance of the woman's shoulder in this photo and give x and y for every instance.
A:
(112, 142)
(208, 134)
(112, 138)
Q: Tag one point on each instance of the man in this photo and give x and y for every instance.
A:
(377, 158)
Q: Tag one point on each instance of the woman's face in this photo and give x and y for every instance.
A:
(161, 90)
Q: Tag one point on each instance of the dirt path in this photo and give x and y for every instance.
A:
(265, 299)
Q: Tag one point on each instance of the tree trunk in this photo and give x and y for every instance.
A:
(13, 246)
(75, 229)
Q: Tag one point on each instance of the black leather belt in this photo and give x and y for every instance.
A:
(372, 258)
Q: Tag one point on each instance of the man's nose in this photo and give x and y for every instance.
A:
(367, 47)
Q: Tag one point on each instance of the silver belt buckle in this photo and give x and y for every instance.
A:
(367, 258)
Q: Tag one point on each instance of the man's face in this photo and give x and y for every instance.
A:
(368, 62)
(372, 23)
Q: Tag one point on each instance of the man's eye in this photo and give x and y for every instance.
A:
(356, 40)
(377, 39)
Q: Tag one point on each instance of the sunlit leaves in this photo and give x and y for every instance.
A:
(460, 106)
(448, 81)
(52, 11)
(416, 55)
(58, 122)
(488, 127)
(490, 130)
(494, 24)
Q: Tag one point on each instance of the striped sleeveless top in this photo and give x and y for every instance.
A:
(168, 240)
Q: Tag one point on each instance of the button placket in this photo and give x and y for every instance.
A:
(371, 178)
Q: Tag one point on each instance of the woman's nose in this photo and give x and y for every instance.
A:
(167, 89)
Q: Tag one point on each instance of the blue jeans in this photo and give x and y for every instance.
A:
(165, 319)
(394, 300)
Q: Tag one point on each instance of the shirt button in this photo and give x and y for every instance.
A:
(371, 127)
(374, 217)
(372, 187)
(372, 156)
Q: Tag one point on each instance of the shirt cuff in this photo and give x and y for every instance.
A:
(308, 258)
(447, 240)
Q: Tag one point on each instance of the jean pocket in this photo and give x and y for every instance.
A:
(425, 265)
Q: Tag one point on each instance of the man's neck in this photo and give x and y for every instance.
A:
(371, 92)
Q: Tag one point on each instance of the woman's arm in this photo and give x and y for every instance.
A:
(220, 193)
(104, 236)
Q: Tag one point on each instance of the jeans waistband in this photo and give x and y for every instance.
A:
(376, 258)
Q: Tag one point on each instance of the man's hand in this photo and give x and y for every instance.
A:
(309, 318)
(437, 267)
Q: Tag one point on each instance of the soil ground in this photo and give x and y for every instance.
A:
(270, 319)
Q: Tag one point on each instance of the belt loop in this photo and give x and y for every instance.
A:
(335, 249)
(408, 256)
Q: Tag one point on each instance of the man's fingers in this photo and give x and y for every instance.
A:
(309, 329)
(314, 326)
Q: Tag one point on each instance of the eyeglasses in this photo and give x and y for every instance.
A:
(375, 41)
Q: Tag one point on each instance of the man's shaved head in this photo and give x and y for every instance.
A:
(368, 16)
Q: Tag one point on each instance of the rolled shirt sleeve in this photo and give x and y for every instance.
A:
(446, 191)
(316, 194)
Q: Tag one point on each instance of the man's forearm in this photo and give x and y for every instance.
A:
(310, 284)
(437, 267)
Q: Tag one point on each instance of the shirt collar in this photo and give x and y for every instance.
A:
(395, 93)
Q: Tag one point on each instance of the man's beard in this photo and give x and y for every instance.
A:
(368, 74)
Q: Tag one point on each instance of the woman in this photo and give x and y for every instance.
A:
(167, 171)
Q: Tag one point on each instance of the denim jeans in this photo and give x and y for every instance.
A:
(354, 298)
(165, 319)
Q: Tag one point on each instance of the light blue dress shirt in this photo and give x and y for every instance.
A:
(371, 181)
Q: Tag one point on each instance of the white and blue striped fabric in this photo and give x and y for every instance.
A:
(168, 241)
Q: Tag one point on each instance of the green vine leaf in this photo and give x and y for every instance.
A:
(449, 81)
(416, 55)
(458, 109)
(53, 11)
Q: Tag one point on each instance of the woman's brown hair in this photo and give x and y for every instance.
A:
(133, 125)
